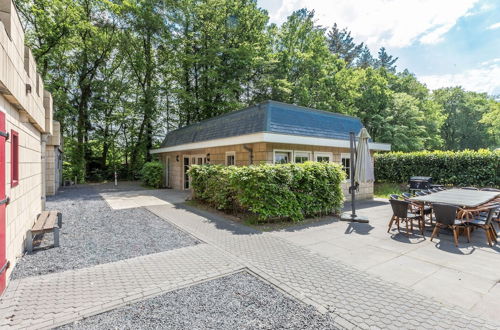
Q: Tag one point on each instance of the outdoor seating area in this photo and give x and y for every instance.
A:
(460, 210)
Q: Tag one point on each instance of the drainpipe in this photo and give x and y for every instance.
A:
(44, 139)
(250, 150)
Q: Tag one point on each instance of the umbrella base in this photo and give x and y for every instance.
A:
(354, 218)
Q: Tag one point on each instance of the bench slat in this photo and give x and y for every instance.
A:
(51, 221)
(42, 218)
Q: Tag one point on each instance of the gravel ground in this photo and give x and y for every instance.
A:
(93, 233)
(238, 301)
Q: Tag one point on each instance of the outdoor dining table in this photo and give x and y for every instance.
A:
(463, 198)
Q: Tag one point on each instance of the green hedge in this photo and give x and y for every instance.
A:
(291, 191)
(461, 168)
(152, 174)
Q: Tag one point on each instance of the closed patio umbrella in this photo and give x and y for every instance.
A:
(362, 171)
(364, 166)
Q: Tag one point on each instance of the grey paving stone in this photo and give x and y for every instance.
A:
(110, 285)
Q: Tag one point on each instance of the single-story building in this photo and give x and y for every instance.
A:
(269, 132)
(25, 126)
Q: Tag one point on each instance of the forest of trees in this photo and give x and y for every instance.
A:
(123, 73)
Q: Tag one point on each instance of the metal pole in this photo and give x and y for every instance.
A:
(352, 189)
(352, 140)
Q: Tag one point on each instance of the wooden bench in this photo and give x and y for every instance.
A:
(45, 223)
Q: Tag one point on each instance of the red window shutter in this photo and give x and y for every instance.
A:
(14, 159)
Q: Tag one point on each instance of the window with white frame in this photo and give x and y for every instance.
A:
(230, 158)
(346, 164)
(301, 156)
(326, 157)
(282, 156)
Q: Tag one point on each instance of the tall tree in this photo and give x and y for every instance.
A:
(386, 61)
(218, 45)
(144, 23)
(341, 44)
(491, 120)
(462, 128)
(365, 58)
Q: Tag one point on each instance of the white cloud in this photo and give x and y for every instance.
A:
(494, 26)
(391, 23)
(485, 79)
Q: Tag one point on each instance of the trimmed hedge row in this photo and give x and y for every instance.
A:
(293, 191)
(461, 168)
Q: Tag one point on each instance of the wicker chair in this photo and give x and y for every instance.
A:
(401, 212)
(486, 223)
(446, 217)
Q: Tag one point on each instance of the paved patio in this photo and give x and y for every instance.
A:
(467, 276)
(360, 275)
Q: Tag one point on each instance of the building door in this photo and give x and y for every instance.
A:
(167, 172)
(185, 169)
(3, 205)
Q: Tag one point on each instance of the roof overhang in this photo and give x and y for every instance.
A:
(270, 138)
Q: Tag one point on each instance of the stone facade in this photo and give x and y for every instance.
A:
(260, 152)
(28, 111)
(53, 161)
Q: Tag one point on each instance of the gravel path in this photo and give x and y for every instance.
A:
(93, 233)
(238, 301)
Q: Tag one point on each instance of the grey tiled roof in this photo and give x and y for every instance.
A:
(269, 116)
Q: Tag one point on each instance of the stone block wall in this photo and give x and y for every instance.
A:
(53, 166)
(28, 111)
(25, 198)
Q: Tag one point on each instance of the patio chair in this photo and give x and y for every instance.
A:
(446, 217)
(401, 212)
(483, 214)
(406, 195)
(486, 223)
(469, 188)
(393, 196)
(490, 189)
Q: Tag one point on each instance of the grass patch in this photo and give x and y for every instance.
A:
(383, 190)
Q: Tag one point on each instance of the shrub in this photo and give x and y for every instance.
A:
(152, 174)
(461, 168)
(290, 191)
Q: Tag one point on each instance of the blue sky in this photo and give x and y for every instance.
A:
(444, 42)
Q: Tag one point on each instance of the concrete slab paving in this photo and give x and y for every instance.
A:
(451, 275)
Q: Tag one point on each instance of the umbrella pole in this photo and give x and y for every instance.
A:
(352, 189)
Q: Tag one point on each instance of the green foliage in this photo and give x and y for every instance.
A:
(463, 168)
(464, 110)
(385, 189)
(122, 73)
(152, 174)
(291, 191)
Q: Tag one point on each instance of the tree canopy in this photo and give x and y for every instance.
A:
(125, 72)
